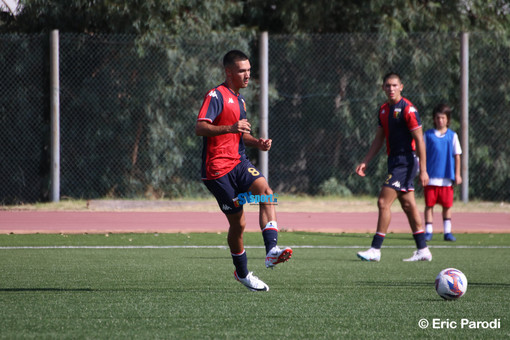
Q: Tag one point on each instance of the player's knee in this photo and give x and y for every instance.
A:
(383, 203)
(263, 189)
(268, 190)
(407, 206)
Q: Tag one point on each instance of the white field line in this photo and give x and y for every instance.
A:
(248, 247)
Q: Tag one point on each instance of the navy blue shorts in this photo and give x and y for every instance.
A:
(402, 170)
(226, 188)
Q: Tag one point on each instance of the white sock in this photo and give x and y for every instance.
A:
(428, 228)
(271, 225)
(447, 224)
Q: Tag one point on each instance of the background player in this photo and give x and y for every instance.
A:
(443, 167)
(400, 125)
(226, 171)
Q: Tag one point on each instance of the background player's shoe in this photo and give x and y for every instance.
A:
(252, 282)
(371, 254)
(449, 237)
(428, 237)
(277, 255)
(420, 255)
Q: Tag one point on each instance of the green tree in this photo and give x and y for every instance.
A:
(129, 101)
(378, 16)
(139, 99)
(130, 17)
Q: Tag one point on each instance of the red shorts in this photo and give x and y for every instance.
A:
(438, 195)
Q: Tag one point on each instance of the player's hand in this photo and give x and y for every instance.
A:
(265, 144)
(360, 169)
(458, 180)
(424, 178)
(241, 126)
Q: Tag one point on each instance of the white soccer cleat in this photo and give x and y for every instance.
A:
(252, 282)
(277, 255)
(371, 254)
(420, 255)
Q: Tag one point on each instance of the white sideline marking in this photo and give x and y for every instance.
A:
(248, 247)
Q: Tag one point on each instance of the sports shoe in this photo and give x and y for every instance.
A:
(449, 237)
(252, 282)
(428, 237)
(277, 255)
(371, 254)
(420, 255)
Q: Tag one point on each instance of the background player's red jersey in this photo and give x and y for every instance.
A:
(398, 121)
(222, 153)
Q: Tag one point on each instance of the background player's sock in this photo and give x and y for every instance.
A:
(241, 264)
(428, 228)
(270, 235)
(419, 238)
(377, 241)
(447, 225)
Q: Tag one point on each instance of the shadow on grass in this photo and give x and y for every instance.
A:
(488, 285)
(394, 284)
(46, 290)
(363, 236)
(427, 284)
(129, 290)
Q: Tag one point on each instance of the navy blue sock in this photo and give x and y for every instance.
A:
(419, 238)
(270, 235)
(241, 264)
(378, 240)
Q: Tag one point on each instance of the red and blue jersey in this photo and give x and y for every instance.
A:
(397, 122)
(220, 154)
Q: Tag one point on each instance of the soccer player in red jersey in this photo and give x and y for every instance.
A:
(400, 126)
(226, 171)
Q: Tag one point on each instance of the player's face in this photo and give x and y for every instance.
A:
(393, 89)
(238, 75)
(440, 121)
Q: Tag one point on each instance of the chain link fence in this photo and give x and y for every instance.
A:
(128, 110)
(24, 118)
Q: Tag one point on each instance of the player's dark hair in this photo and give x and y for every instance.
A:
(444, 109)
(391, 75)
(232, 56)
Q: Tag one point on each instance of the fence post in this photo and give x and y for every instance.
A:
(464, 109)
(264, 101)
(55, 116)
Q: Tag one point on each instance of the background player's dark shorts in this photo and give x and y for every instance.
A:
(226, 188)
(402, 170)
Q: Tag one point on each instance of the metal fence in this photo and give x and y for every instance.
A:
(128, 110)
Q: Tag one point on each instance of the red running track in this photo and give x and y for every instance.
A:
(68, 222)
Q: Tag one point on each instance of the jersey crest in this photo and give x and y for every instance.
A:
(398, 121)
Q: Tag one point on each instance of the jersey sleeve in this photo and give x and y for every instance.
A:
(379, 121)
(211, 107)
(457, 150)
(412, 118)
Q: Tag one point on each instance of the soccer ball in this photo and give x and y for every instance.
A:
(451, 284)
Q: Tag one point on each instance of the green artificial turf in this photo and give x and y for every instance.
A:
(324, 291)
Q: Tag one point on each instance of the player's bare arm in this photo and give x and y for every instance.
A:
(422, 156)
(377, 144)
(261, 143)
(206, 129)
(458, 177)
